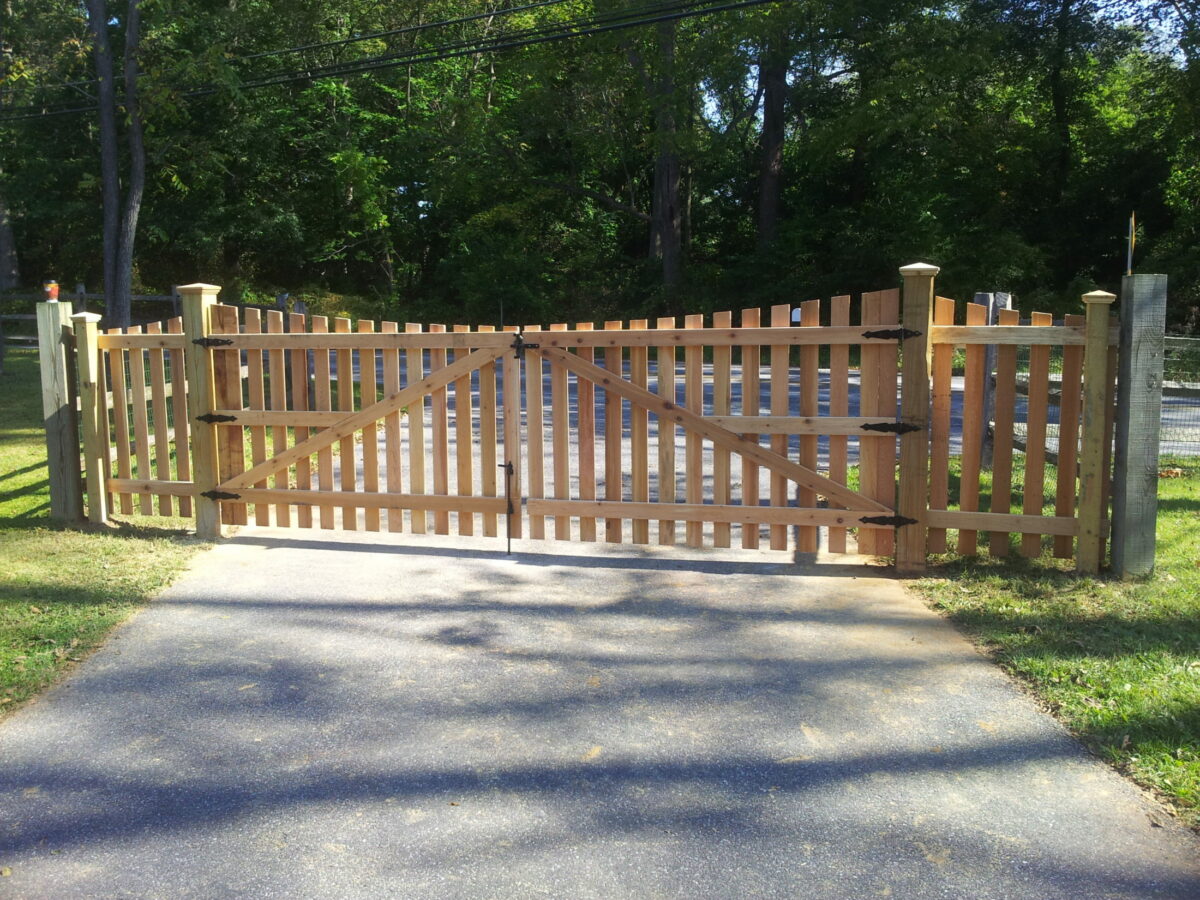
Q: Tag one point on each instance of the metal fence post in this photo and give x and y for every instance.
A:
(55, 340)
(1139, 423)
(994, 302)
(1090, 551)
(913, 496)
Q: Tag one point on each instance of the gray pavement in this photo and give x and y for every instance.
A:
(319, 714)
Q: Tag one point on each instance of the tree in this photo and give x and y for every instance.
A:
(120, 215)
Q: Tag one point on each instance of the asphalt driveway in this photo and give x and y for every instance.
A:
(317, 714)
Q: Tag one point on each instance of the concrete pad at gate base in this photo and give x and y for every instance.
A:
(317, 714)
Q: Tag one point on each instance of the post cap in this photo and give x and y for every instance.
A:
(86, 317)
(919, 268)
(199, 288)
(1099, 297)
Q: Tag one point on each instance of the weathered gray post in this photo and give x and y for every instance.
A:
(1139, 418)
(55, 339)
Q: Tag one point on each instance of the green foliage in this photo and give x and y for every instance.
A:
(1006, 142)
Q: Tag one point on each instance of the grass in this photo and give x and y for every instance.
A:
(62, 590)
(1117, 662)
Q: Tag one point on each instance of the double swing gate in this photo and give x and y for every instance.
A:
(667, 432)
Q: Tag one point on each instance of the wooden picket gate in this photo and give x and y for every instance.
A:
(702, 434)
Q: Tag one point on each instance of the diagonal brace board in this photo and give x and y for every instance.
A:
(721, 437)
(355, 421)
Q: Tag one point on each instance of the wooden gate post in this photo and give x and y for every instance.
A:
(913, 497)
(1091, 457)
(198, 300)
(91, 402)
(1139, 422)
(58, 411)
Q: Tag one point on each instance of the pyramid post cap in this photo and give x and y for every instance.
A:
(1099, 297)
(199, 288)
(920, 268)
(85, 317)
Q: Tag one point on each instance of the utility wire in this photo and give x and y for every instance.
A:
(553, 32)
(409, 29)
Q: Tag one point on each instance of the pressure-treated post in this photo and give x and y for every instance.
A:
(1091, 456)
(913, 497)
(55, 338)
(91, 403)
(198, 300)
(1139, 422)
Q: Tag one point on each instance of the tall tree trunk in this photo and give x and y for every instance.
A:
(10, 273)
(1059, 99)
(137, 170)
(772, 74)
(110, 184)
(666, 231)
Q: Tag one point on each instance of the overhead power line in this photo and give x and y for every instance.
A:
(358, 38)
(547, 33)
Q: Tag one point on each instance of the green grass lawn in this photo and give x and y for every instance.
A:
(1117, 662)
(61, 590)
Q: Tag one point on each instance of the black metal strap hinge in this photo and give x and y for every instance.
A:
(214, 418)
(219, 495)
(891, 427)
(520, 345)
(894, 521)
(895, 334)
(213, 342)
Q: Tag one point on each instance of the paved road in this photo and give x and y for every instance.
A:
(315, 715)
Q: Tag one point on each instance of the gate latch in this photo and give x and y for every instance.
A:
(520, 345)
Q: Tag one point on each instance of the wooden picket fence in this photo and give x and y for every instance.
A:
(693, 432)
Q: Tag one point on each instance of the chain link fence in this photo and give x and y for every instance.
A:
(1180, 434)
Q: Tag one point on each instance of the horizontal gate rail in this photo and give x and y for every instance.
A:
(1015, 335)
(708, 512)
(369, 500)
(709, 337)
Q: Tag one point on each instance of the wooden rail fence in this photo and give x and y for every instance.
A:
(696, 432)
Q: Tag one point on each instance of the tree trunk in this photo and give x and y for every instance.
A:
(110, 184)
(137, 173)
(10, 274)
(1059, 99)
(666, 231)
(772, 74)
